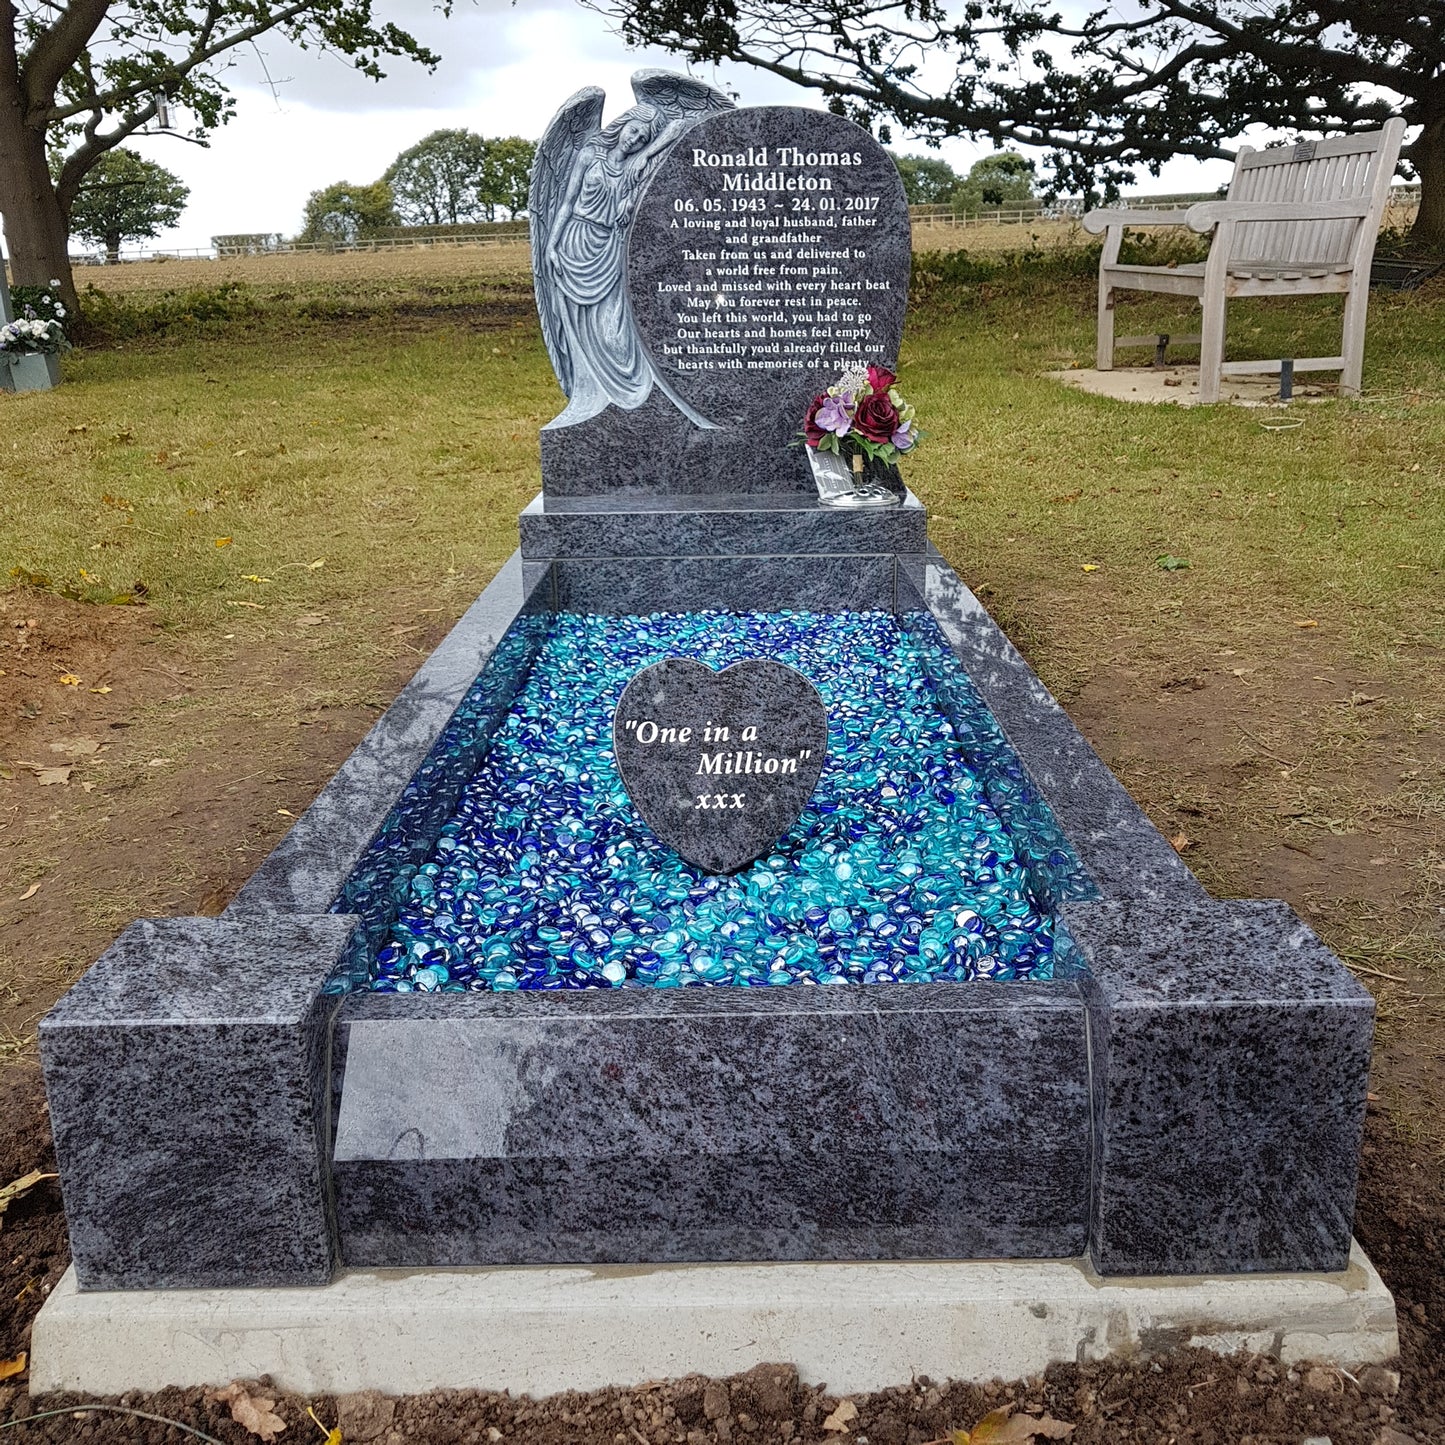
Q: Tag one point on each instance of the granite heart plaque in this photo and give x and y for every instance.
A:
(720, 764)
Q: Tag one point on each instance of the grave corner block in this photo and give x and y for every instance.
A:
(1230, 1055)
(188, 1079)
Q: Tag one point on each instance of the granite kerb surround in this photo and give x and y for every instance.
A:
(718, 524)
(1129, 862)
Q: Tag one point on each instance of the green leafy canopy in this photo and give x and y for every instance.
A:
(1103, 90)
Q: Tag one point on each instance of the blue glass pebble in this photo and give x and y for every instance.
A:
(923, 855)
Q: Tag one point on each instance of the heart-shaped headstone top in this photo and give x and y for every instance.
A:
(720, 764)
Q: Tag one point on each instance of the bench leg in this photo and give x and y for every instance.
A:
(1211, 347)
(1104, 360)
(1352, 349)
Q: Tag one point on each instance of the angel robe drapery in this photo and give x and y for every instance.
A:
(588, 274)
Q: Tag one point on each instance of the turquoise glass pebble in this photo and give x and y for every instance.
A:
(923, 855)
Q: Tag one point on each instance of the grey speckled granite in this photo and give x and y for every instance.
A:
(307, 869)
(718, 524)
(1230, 1053)
(1187, 1097)
(721, 819)
(1125, 854)
(846, 1122)
(618, 585)
(186, 1074)
(821, 272)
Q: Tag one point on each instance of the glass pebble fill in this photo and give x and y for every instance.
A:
(924, 854)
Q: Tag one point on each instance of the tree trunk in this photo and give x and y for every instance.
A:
(112, 249)
(34, 225)
(1428, 155)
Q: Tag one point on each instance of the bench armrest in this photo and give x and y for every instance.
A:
(1097, 221)
(1208, 214)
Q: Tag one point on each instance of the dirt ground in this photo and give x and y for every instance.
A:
(1239, 757)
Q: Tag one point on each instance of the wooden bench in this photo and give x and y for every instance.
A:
(1299, 220)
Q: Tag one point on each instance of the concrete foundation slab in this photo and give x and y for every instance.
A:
(1179, 385)
(857, 1326)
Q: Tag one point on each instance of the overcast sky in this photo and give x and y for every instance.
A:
(505, 70)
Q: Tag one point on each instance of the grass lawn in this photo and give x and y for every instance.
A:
(305, 473)
(269, 489)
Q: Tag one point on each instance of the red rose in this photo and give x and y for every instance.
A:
(880, 379)
(876, 418)
(812, 432)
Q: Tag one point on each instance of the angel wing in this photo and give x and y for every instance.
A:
(678, 96)
(572, 127)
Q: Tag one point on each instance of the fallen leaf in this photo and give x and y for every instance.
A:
(223, 541)
(311, 619)
(49, 777)
(319, 562)
(999, 1427)
(87, 787)
(76, 747)
(19, 1187)
(242, 453)
(838, 1420)
(285, 812)
(333, 1437)
(10, 1368)
(1170, 563)
(101, 690)
(254, 606)
(1307, 622)
(1180, 841)
(29, 893)
(1089, 567)
(159, 762)
(69, 679)
(252, 577)
(252, 1412)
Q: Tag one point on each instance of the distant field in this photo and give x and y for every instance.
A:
(445, 263)
(312, 268)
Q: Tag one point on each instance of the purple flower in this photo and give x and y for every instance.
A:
(903, 437)
(833, 416)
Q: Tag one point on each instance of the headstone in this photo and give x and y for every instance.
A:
(7, 312)
(720, 764)
(769, 249)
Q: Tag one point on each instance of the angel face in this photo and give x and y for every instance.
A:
(633, 136)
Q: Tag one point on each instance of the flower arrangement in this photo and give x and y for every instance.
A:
(38, 322)
(863, 414)
(22, 338)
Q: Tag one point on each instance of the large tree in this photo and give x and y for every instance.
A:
(125, 197)
(435, 182)
(343, 214)
(83, 75)
(927, 180)
(507, 175)
(1104, 92)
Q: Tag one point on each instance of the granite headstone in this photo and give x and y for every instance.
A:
(769, 249)
(720, 764)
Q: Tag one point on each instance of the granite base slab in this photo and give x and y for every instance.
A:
(848, 1123)
(537, 1331)
(714, 525)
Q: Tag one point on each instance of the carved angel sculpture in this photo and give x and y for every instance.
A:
(585, 185)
